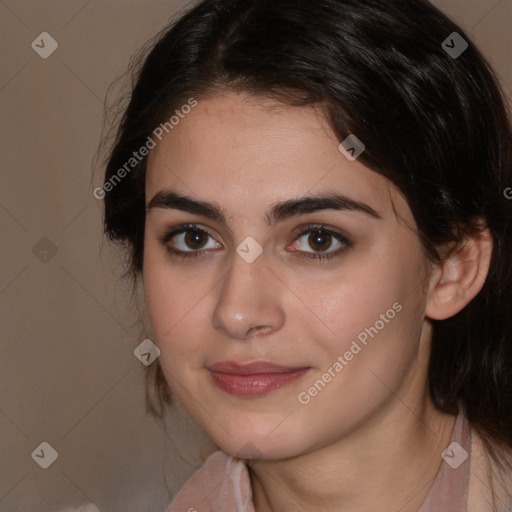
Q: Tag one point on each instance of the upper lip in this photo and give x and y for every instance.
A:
(255, 367)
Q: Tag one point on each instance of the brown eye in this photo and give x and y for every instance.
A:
(195, 239)
(189, 240)
(320, 240)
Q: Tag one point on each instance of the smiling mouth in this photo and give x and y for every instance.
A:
(253, 379)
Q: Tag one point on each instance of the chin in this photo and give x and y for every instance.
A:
(258, 442)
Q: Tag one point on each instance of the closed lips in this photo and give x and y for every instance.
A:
(254, 368)
(255, 378)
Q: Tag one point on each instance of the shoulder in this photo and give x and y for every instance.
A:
(490, 485)
(222, 480)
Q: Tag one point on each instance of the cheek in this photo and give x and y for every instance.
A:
(158, 294)
(373, 332)
(168, 297)
(359, 301)
(374, 315)
(177, 306)
(365, 367)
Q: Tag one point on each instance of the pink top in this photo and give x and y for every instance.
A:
(222, 484)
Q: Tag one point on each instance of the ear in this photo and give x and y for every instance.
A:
(460, 275)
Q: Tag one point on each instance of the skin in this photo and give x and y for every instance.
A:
(371, 439)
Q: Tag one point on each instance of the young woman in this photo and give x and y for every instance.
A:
(316, 196)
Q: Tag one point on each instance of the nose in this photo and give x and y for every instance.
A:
(249, 301)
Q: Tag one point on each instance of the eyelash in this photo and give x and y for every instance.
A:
(184, 228)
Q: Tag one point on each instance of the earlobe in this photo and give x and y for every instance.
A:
(459, 276)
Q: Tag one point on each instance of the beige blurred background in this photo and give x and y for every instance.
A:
(68, 375)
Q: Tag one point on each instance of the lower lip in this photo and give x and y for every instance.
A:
(255, 384)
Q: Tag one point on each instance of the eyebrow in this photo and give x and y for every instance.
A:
(278, 212)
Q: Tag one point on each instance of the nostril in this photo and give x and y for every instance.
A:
(257, 329)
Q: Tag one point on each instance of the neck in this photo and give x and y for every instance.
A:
(389, 464)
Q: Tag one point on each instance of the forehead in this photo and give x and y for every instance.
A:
(248, 152)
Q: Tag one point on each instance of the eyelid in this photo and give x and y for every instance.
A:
(183, 228)
(300, 232)
(333, 232)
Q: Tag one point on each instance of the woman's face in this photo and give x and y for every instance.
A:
(349, 330)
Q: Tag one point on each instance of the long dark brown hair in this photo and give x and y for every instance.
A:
(433, 123)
